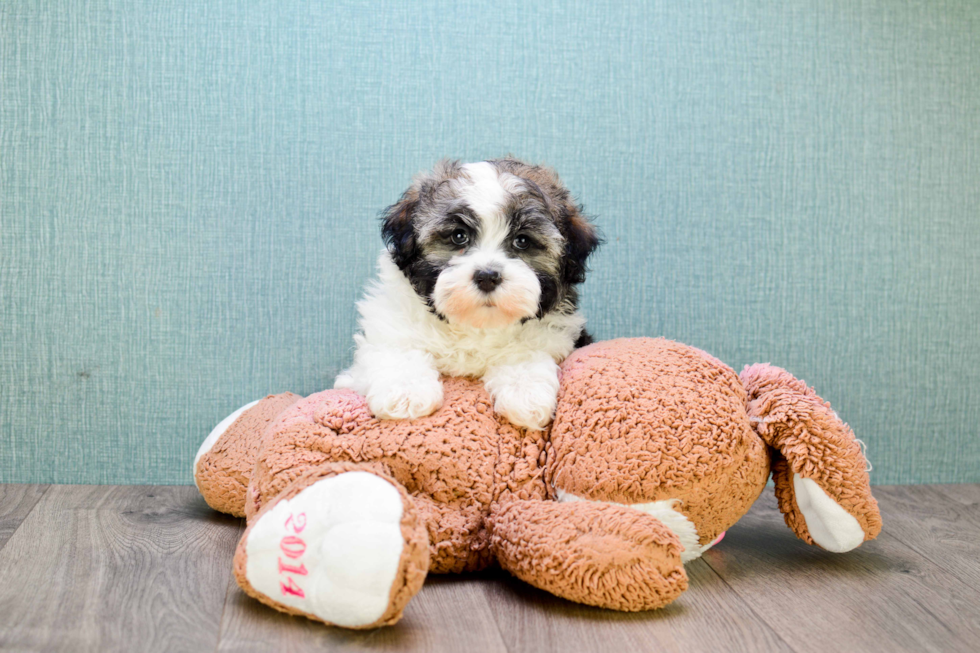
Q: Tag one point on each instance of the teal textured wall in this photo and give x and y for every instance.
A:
(189, 193)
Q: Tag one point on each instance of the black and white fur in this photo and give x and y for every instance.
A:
(478, 280)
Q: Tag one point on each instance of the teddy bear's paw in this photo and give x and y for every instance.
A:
(527, 403)
(333, 551)
(404, 398)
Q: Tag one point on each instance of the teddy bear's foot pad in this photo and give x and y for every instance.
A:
(830, 526)
(333, 550)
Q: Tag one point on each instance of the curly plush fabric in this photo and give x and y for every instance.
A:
(454, 463)
(593, 553)
(644, 419)
(656, 449)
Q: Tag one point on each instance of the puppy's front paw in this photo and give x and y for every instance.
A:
(528, 402)
(405, 399)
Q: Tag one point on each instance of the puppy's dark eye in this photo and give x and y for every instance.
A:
(460, 237)
(522, 242)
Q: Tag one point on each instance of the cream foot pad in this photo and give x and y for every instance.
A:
(830, 526)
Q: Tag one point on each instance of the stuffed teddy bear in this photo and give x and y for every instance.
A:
(656, 449)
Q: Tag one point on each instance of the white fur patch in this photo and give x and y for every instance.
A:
(665, 513)
(216, 434)
(485, 194)
(397, 383)
(525, 393)
(830, 526)
(342, 539)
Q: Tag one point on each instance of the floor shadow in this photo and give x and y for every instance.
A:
(263, 627)
(763, 544)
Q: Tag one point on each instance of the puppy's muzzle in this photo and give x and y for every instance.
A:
(487, 280)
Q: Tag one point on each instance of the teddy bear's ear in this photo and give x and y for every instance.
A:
(398, 229)
(581, 239)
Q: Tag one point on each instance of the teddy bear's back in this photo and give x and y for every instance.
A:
(642, 420)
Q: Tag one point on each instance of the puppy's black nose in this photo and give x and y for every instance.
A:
(487, 280)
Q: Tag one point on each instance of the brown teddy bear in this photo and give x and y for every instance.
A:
(655, 450)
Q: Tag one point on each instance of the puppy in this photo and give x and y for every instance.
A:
(478, 279)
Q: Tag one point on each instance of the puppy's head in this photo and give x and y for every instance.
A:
(492, 243)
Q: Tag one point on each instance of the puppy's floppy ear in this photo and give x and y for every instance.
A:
(581, 239)
(398, 229)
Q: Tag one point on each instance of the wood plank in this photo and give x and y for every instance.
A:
(939, 523)
(881, 597)
(967, 494)
(116, 568)
(450, 613)
(708, 617)
(16, 501)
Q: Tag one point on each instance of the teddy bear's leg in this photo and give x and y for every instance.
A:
(601, 554)
(819, 471)
(224, 462)
(342, 544)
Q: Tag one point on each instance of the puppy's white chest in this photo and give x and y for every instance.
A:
(470, 352)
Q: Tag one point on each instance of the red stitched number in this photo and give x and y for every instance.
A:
(292, 569)
(296, 522)
(294, 548)
(290, 587)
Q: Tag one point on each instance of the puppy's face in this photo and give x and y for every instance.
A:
(489, 244)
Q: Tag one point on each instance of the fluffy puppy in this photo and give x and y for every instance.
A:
(478, 279)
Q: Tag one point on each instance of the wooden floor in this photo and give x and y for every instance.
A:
(88, 568)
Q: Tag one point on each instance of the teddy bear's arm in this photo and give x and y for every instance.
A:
(820, 474)
(601, 554)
